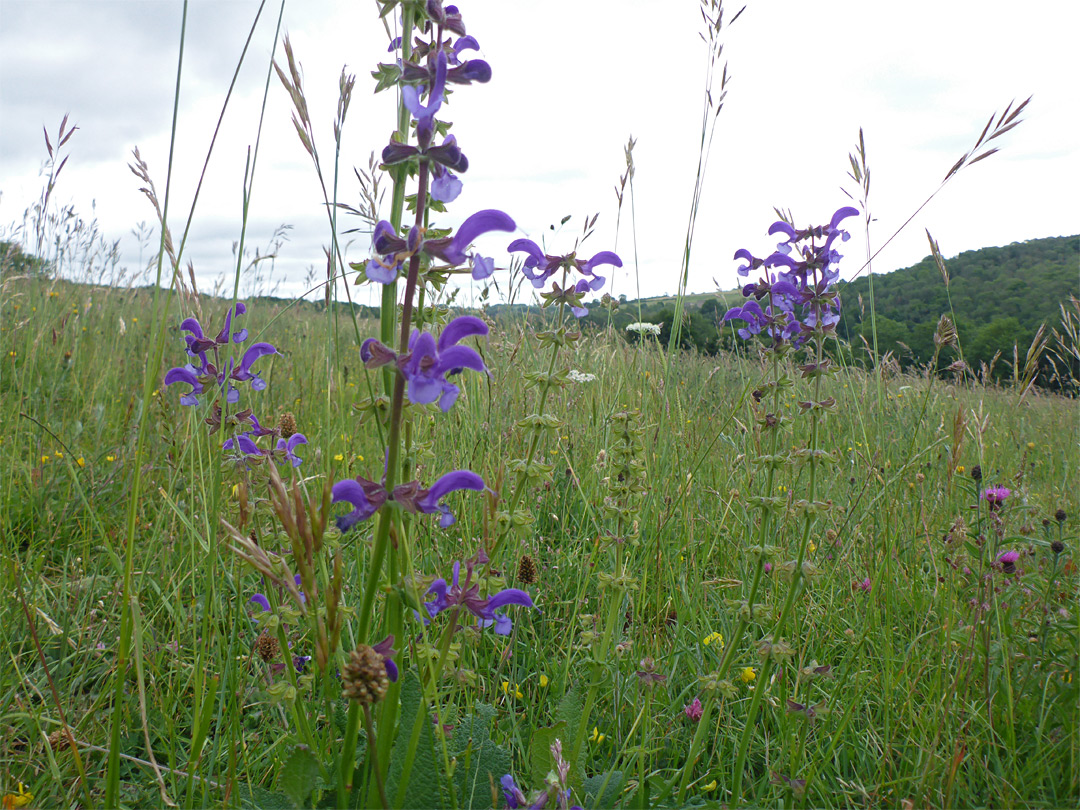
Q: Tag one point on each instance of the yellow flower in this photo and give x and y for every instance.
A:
(80, 461)
(960, 470)
(13, 353)
(543, 680)
(46, 459)
(709, 788)
(58, 454)
(339, 457)
(359, 457)
(747, 674)
(596, 736)
(20, 799)
(1031, 445)
(506, 690)
(811, 546)
(110, 458)
(709, 639)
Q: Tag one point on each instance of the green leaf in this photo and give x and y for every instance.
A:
(297, 778)
(593, 785)
(480, 762)
(540, 759)
(262, 799)
(419, 786)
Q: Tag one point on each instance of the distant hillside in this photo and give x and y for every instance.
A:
(999, 295)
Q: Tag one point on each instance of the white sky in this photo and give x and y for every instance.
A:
(545, 138)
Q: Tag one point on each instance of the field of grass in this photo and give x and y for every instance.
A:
(949, 681)
(530, 564)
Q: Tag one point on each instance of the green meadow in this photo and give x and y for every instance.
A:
(502, 557)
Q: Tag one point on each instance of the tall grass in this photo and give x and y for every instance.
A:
(924, 671)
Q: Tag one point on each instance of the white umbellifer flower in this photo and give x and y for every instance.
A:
(643, 328)
(581, 376)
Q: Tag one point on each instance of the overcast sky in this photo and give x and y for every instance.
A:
(572, 81)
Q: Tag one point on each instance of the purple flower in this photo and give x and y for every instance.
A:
(467, 595)
(392, 251)
(539, 266)
(425, 114)
(367, 496)
(385, 648)
(288, 447)
(452, 249)
(514, 797)
(428, 362)
(694, 710)
(207, 373)
(1007, 560)
(995, 496)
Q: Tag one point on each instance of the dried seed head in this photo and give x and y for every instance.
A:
(527, 573)
(287, 425)
(1057, 547)
(976, 472)
(267, 647)
(364, 678)
(945, 334)
(1059, 515)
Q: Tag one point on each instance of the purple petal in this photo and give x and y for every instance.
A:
(256, 351)
(379, 272)
(604, 257)
(527, 246)
(458, 357)
(842, 214)
(460, 328)
(782, 227)
(453, 481)
(482, 267)
(472, 228)
(446, 187)
(259, 599)
(508, 596)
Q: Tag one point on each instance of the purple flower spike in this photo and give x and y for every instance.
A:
(290, 446)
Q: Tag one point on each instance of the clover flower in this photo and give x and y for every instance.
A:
(428, 362)
(694, 710)
(467, 595)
